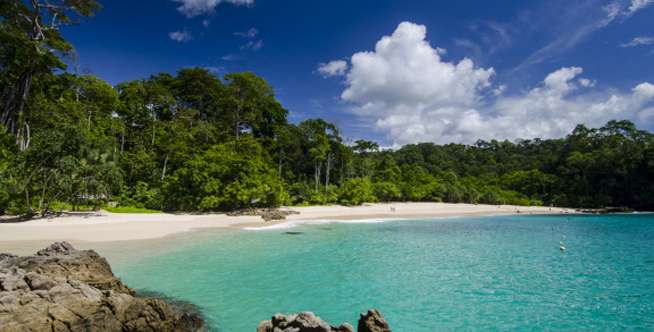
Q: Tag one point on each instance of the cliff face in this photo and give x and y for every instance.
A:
(63, 289)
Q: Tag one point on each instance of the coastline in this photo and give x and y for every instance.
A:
(111, 227)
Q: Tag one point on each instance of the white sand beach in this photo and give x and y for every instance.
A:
(105, 227)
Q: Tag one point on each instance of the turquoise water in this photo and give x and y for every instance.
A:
(490, 273)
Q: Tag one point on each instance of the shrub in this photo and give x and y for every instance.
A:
(357, 191)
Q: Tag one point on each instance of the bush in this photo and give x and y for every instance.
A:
(141, 196)
(228, 176)
(130, 209)
(357, 191)
(387, 191)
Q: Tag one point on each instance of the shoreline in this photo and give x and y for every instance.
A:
(111, 227)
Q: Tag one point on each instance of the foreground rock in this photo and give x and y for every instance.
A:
(372, 321)
(63, 289)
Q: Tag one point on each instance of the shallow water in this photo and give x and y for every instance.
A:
(500, 273)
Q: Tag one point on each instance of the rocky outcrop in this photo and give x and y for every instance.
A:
(372, 321)
(267, 214)
(63, 289)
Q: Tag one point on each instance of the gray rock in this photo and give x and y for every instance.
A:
(301, 322)
(372, 321)
(63, 289)
(4, 256)
(57, 248)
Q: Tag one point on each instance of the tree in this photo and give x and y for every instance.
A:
(357, 191)
(363, 146)
(31, 32)
(227, 176)
(7, 156)
(251, 105)
(319, 136)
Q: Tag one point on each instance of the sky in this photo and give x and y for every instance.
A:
(400, 72)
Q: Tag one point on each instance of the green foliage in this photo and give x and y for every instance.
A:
(130, 209)
(387, 191)
(194, 141)
(227, 176)
(7, 155)
(357, 191)
(140, 196)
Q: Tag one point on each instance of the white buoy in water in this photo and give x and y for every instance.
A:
(561, 246)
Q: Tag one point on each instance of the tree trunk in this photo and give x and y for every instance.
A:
(41, 200)
(22, 123)
(237, 127)
(122, 141)
(327, 169)
(28, 201)
(316, 174)
(163, 172)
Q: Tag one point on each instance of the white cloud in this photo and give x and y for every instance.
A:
(577, 22)
(587, 83)
(253, 45)
(638, 41)
(405, 72)
(180, 36)
(637, 5)
(230, 57)
(251, 33)
(333, 68)
(499, 90)
(612, 11)
(192, 8)
(644, 90)
(413, 95)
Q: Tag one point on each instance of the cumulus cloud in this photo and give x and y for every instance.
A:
(180, 36)
(499, 90)
(639, 41)
(192, 8)
(414, 95)
(587, 83)
(333, 68)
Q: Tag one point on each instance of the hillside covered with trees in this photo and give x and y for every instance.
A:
(194, 141)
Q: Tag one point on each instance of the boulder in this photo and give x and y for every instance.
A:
(64, 289)
(267, 214)
(57, 248)
(301, 322)
(372, 321)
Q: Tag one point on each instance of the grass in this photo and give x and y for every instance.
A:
(59, 206)
(130, 209)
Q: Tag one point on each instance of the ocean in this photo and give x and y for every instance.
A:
(475, 273)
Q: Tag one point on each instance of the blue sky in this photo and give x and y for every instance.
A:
(445, 72)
